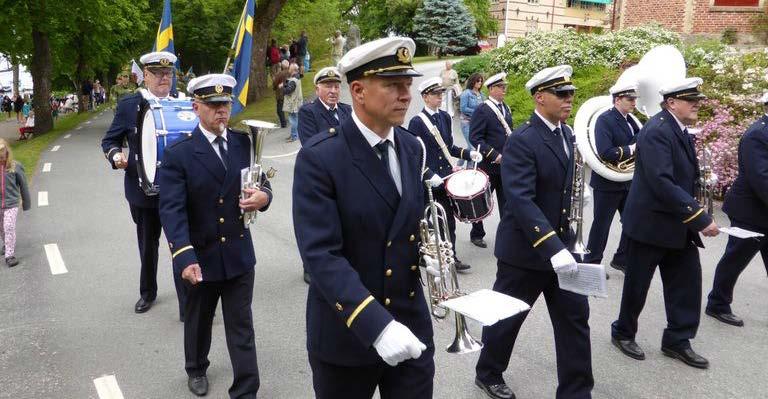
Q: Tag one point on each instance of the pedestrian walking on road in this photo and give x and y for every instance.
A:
(13, 192)
(293, 100)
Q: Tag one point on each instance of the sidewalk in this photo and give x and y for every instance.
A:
(9, 130)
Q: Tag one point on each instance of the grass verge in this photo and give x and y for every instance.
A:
(28, 151)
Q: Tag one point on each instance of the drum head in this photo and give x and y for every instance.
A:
(467, 183)
(148, 139)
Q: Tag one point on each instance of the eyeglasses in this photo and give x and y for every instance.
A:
(161, 73)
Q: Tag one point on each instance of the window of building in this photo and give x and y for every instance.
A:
(597, 5)
(736, 3)
(533, 1)
(531, 25)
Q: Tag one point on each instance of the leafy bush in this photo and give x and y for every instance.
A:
(468, 66)
(760, 28)
(729, 36)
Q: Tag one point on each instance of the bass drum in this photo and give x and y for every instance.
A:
(160, 124)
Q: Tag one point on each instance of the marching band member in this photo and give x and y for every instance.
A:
(158, 75)
(323, 114)
(427, 125)
(488, 130)
(662, 221)
(359, 196)
(531, 242)
(615, 132)
(326, 111)
(747, 206)
(212, 251)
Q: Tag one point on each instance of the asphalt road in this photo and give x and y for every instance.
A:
(60, 332)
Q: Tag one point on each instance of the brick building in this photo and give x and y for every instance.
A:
(519, 17)
(692, 16)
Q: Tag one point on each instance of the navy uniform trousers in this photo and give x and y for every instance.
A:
(569, 313)
(606, 205)
(678, 268)
(738, 253)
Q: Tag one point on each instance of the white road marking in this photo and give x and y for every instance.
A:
(87, 122)
(107, 387)
(47, 167)
(78, 128)
(55, 148)
(42, 198)
(55, 261)
(281, 155)
(68, 135)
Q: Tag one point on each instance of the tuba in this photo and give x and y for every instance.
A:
(659, 66)
(252, 178)
(436, 243)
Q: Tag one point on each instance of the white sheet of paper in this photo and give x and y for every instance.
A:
(487, 306)
(738, 232)
(589, 280)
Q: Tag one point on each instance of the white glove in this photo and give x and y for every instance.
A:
(397, 343)
(632, 148)
(433, 267)
(563, 262)
(587, 195)
(712, 180)
(476, 156)
(435, 181)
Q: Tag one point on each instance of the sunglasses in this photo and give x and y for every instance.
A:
(562, 93)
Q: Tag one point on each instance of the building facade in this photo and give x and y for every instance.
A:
(520, 17)
(692, 16)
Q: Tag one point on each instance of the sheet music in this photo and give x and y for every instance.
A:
(487, 306)
(738, 232)
(589, 280)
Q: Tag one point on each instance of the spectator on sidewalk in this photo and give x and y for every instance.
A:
(302, 54)
(277, 86)
(293, 100)
(25, 132)
(338, 43)
(25, 110)
(18, 104)
(7, 105)
(273, 54)
(14, 192)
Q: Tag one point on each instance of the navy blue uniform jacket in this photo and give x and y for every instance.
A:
(360, 242)
(612, 139)
(661, 209)
(199, 206)
(123, 128)
(487, 135)
(537, 178)
(747, 199)
(436, 161)
(314, 118)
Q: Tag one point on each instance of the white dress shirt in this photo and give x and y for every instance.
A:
(373, 139)
(210, 136)
(552, 128)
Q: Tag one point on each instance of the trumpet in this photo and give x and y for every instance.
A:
(436, 243)
(252, 177)
(705, 194)
(576, 215)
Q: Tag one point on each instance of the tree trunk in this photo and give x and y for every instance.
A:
(15, 69)
(266, 13)
(41, 79)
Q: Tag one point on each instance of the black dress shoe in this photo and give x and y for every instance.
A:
(142, 305)
(629, 347)
(496, 391)
(479, 242)
(11, 261)
(198, 385)
(727, 318)
(461, 266)
(618, 266)
(307, 279)
(687, 356)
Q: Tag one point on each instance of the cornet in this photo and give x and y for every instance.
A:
(436, 243)
(251, 178)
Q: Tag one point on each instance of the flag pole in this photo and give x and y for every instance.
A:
(240, 25)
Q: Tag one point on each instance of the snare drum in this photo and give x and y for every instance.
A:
(161, 122)
(469, 191)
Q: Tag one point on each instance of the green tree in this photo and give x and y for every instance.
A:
(485, 23)
(318, 18)
(267, 12)
(203, 32)
(378, 18)
(446, 26)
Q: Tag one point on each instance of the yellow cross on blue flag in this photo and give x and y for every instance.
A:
(164, 39)
(240, 68)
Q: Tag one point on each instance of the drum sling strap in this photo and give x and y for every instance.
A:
(496, 111)
(438, 138)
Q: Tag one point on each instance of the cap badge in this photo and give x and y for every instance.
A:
(219, 89)
(165, 62)
(331, 74)
(403, 55)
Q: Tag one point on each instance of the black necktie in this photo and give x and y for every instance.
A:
(383, 149)
(222, 151)
(501, 107)
(559, 134)
(333, 113)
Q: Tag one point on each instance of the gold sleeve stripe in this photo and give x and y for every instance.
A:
(694, 215)
(540, 240)
(188, 247)
(359, 309)
(621, 153)
(461, 155)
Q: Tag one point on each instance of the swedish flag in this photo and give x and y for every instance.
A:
(240, 68)
(164, 39)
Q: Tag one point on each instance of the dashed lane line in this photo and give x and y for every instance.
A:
(42, 198)
(68, 135)
(55, 261)
(47, 167)
(55, 148)
(107, 387)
